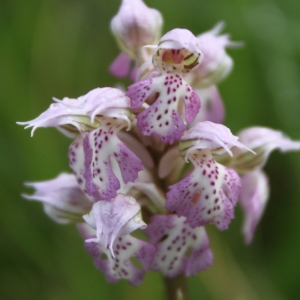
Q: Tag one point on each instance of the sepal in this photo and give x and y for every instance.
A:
(253, 198)
(207, 135)
(63, 200)
(262, 141)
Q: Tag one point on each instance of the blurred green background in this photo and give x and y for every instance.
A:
(63, 48)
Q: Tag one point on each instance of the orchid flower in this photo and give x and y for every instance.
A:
(152, 166)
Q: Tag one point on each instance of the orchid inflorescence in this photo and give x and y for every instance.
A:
(155, 160)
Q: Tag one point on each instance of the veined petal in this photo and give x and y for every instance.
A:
(207, 135)
(91, 160)
(253, 198)
(179, 248)
(113, 219)
(177, 52)
(63, 200)
(208, 194)
(164, 116)
(120, 266)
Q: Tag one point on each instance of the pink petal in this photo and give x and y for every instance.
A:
(65, 112)
(263, 141)
(253, 198)
(110, 102)
(114, 218)
(120, 266)
(208, 135)
(121, 65)
(179, 248)
(164, 117)
(212, 107)
(208, 194)
(90, 160)
(216, 63)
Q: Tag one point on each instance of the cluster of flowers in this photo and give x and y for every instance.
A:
(155, 159)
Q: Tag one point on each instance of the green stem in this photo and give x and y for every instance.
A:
(176, 288)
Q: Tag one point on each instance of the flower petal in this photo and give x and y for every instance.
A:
(109, 102)
(67, 114)
(212, 107)
(179, 248)
(121, 65)
(268, 138)
(91, 160)
(121, 266)
(208, 194)
(164, 116)
(253, 198)
(113, 219)
(208, 135)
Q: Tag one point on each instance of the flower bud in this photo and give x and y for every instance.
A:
(136, 25)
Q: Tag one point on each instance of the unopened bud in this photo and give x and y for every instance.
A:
(136, 25)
